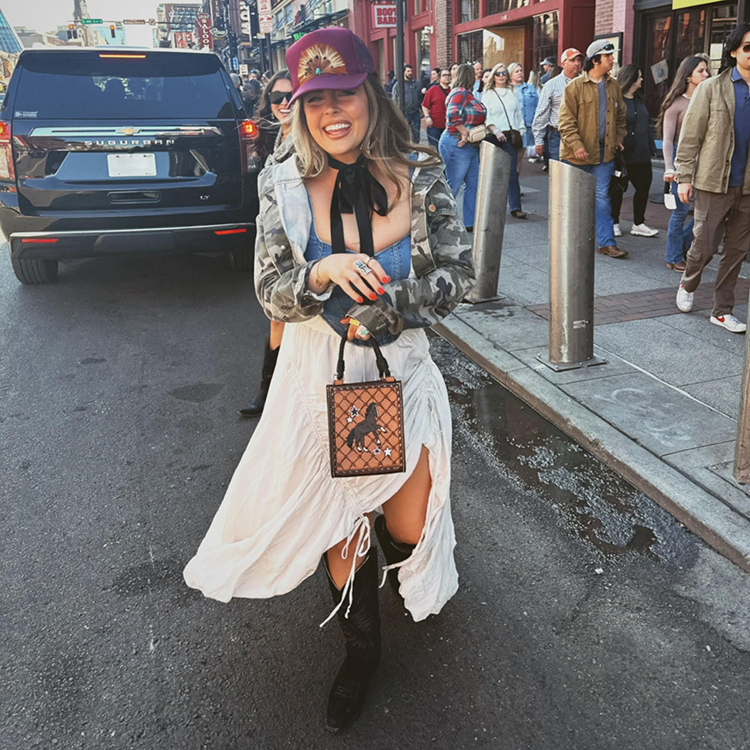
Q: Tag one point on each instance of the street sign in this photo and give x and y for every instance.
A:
(134, 22)
(204, 31)
(384, 16)
(91, 21)
(265, 23)
(264, 8)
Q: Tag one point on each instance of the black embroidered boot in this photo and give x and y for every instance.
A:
(395, 552)
(255, 407)
(362, 635)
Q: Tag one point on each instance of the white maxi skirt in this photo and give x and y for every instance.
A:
(283, 510)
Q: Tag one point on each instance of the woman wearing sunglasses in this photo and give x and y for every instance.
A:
(358, 236)
(503, 116)
(275, 124)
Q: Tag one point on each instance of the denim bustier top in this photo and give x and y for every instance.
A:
(396, 262)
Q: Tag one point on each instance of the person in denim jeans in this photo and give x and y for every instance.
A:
(463, 111)
(692, 71)
(593, 125)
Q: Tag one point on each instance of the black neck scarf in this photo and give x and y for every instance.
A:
(356, 191)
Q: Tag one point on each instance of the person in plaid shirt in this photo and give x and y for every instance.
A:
(463, 111)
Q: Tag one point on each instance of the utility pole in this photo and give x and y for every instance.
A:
(400, 53)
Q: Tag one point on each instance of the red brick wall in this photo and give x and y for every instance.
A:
(444, 32)
(613, 16)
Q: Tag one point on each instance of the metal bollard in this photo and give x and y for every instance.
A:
(489, 221)
(742, 446)
(572, 229)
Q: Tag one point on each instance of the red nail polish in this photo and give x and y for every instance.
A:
(372, 296)
(381, 290)
(387, 279)
(360, 300)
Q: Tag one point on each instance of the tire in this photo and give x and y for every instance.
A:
(35, 271)
(243, 258)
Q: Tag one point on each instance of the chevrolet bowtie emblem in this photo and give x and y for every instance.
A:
(129, 131)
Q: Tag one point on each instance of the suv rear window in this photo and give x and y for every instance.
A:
(81, 86)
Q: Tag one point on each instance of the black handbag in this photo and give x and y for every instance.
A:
(513, 136)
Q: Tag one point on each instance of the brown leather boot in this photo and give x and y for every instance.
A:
(613, 251)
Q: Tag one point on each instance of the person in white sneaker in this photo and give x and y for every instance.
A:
(638, 149)
(712, 165)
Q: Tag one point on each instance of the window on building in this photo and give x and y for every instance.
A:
(690, 30)
(723, 20)
(470, 47)
(469, 10)
(545, 36)
(423, 59)
(421, 6)
(502, 6)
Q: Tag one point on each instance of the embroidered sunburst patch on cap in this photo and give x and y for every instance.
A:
(318, 60)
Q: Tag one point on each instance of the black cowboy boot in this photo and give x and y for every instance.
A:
(255, 407)
(362, 635)
(395, 552)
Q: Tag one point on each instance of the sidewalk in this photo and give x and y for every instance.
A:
(663, 410)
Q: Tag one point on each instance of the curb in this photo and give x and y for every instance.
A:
(700, 511)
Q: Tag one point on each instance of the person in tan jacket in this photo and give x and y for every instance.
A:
(712, 166)
(593, 125)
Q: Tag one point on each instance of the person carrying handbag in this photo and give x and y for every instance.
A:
(505, 123)
(358, 236)
(459, 143)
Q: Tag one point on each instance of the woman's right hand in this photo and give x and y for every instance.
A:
(669, 176)
(339, 269)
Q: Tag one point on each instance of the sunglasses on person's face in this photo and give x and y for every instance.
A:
(501, 73)
(746, 48)
(277, 97)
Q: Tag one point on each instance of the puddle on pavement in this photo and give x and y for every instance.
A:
(591, 500)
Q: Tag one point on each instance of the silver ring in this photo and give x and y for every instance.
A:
(361, 267)
(370, 260)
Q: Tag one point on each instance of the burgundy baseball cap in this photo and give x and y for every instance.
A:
(332, 58)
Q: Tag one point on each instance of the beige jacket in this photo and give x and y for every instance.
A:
(704, 153)
(578, 121)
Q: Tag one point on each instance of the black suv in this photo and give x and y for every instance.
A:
(124, 151)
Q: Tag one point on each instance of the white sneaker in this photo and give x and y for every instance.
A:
(641, 230)
(684, 300)
(729, 322)
(618, 231)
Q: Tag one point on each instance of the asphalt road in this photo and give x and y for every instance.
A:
(587, 618)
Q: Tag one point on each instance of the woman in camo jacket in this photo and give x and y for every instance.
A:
(358, 233)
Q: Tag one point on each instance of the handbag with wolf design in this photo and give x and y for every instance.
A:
(365, 422)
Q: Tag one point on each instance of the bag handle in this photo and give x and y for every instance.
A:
(383, 368)
(510, 124)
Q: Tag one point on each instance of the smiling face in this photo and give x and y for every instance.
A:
(500, 76)
(281, 110)
(338, 121)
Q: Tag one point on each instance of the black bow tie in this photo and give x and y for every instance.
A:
(356, 191)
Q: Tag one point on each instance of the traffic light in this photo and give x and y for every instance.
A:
(72, 33)
(112, 31)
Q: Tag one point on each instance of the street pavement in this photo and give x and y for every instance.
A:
(663, 410)
(588, 618)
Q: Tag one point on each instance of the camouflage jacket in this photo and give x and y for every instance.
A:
(441, 253)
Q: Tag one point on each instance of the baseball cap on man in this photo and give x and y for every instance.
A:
(549, 61)
(332, 58)
(569, 54)
(600, 47)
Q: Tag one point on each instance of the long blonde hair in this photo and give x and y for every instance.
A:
(491, 82)
(387, 141)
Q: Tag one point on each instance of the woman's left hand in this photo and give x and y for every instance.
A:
(356, 330)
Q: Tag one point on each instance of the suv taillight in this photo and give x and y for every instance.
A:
(249, 146)
(7, 171)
